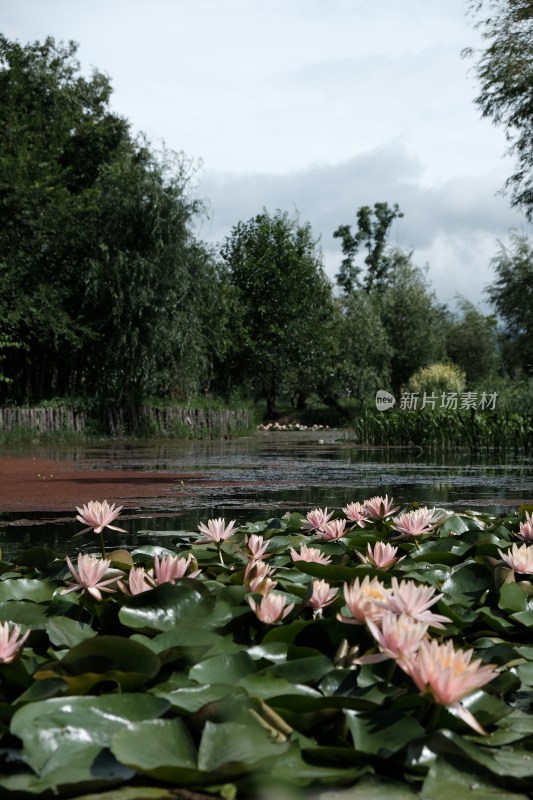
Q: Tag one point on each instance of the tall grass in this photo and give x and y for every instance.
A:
(445, 429)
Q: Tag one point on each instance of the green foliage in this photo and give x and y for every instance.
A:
(364, 348)
(503, 430)
(104, 287)
(283, 306)
(511, 294)
(440, 377)
(504, 69)
(472, 344)
(373, 227)
(182, 687)
(414, 322)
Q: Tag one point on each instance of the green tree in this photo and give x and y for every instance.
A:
(373, 227)
(103, 282)
(364, 358)
(415, 322)
(284, 305)
(472, 343)
(46, 110)
(511, 294)
(504, 69)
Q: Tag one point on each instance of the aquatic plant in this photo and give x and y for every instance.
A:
(380, 662)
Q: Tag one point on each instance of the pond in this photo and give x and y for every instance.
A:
(263, 476)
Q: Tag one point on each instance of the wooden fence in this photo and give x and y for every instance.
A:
(118, 421)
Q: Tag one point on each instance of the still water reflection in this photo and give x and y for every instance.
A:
(266, 474)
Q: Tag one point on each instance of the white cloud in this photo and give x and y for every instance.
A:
(308, 105)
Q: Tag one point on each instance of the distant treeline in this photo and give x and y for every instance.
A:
(108, 297)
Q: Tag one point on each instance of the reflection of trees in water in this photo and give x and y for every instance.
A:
(262, 476)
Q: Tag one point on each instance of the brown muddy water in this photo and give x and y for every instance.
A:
(259, 477)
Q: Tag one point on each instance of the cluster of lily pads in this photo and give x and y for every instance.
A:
(368, 651)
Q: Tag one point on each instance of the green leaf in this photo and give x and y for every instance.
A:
(226, 668)
(161, 748)
(65, 632)
(230, 748)
(451, 779)
(512, 597)
(63, 736)
(26, 589)
(37, 557)
(107, 658)
(466, 584)
(372, 788)
(166, 607)
(383, 732)
(191, 697)
(525, 673)
(24, 612)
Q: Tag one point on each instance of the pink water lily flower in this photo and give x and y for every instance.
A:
(256, 546)
(139, 581)
(216, 530)
(170, 568)
(98, 516)
(380, 507)
(323, 594)
(526, 528)
(258, 577)
(413, 599)
(310, 554)
(273, 608)
(356, 512)
(520, 559)
(316, 519)
(93, 575)
(332, 531)
(382, 555)
(362, 600)
(448, 675)
(11, 641)
(397, 637)
(416, 522)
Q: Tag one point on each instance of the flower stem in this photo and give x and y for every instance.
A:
(102, 546)
(434, 718)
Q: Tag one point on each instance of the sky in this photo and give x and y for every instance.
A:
(315, 107)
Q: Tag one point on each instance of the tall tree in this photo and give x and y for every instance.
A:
(364, 359)
(414, 321)
(101, 274)
(284, 305)
(511, 294)
(373, 227)
(472, 343)
(505, 72)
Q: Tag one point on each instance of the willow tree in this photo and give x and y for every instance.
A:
(504, 68)
(101, 273)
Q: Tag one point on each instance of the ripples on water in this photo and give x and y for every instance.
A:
(267, 474)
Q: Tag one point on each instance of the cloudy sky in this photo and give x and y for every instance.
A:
(310, 106)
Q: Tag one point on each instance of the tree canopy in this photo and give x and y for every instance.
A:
(511, 294)
(504, 67)
(284, 304)
(101, 274)
(373, 227)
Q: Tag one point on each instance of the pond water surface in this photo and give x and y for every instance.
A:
(267, 474)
